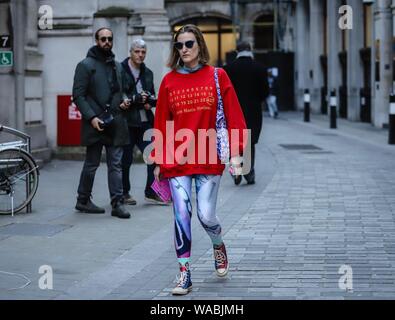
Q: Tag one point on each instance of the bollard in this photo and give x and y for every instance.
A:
(306, 106)
(362, 112)
(333, 111)
(391, 121)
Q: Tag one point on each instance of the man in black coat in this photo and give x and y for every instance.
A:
(250, 82)
(98, 93)
(141, 91)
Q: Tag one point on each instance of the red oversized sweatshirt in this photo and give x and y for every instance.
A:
(185, 116)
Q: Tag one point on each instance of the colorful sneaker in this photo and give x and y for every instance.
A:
(221, 261)
(184, 285)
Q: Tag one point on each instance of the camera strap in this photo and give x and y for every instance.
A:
(136, 82)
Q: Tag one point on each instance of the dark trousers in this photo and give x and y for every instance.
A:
(136, 139)
(114, 172)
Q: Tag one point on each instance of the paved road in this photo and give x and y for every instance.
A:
(323, 199)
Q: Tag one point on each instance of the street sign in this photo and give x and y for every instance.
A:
(6, 58)
(5, 41)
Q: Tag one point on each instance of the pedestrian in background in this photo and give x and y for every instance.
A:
(250, 82)
(98, 93)
(273, 93)
(141, 92)
(188, 97)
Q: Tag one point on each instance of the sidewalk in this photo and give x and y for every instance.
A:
(323, 199)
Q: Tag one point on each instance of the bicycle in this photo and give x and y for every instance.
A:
(19, 174)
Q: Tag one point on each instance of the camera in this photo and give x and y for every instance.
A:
(138, 99)
(151, 100)
(106, 117)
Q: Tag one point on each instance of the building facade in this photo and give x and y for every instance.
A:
(50, 37)
(346, 47)
(303, 38)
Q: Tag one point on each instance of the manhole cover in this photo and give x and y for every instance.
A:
(300, 147)
(32, 229)
(317, 152)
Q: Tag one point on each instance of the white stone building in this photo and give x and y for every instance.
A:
(356, 62)
(300, 37)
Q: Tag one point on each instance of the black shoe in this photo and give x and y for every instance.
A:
(250, 178)
(120, 212)
(88, 207)
(237, 180)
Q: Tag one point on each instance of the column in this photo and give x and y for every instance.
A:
(354, 63)
(383, 36)
(393, 35)
(34, 60)
(301, 52)
(18, 10)
(7, 78)
(334, 47)
(316, 50)
(158, 37)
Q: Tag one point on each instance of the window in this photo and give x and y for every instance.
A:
(264, 33)
(368, 25)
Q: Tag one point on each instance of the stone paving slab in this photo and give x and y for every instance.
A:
(317, 214)
(287, 236)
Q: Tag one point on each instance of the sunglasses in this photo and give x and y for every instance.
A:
(103, 39)
(179, 45)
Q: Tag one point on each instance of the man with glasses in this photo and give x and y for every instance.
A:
(98, 93)
(141, 91)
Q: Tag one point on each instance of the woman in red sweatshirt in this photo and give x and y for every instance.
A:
(186, 118)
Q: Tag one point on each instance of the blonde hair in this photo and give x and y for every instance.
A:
(204, 56)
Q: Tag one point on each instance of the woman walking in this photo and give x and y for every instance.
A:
(188, 100)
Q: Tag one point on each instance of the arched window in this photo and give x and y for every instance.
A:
(219, 36)
(264, 33)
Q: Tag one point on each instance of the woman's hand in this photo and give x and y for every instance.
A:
(157, 173)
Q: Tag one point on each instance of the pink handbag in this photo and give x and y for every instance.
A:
(162, 189)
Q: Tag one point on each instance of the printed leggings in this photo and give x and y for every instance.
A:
(206, 198)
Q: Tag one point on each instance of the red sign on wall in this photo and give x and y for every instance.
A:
(69, 122)
(74, 114)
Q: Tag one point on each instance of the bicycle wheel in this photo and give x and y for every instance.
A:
(18, 180)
